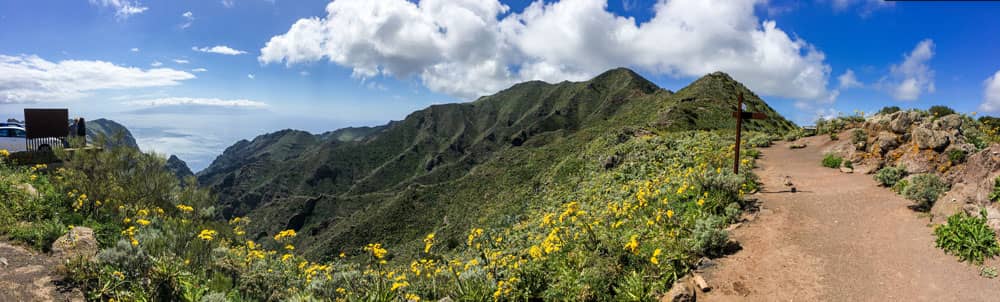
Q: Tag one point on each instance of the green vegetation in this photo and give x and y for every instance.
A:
(957, 156)
(967, 237)
(988, 272)
(635, 228)
(924, 190)
(831, 160)
(939, 110)
(858, 136)
(834, 136)
(395, 183)
(794, 134)
(889, 110)
(995, 194)
(889, 176)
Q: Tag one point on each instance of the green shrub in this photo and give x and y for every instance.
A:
(995, 194)
(988, 272)
(708, 237)
(848, 164)
(967, 237)
(858, 135)
(957, 156)
(834, 137)
(889, 110)
(889, 176)
(939, 110)
(900, 186)
(794, 134)
(924, 189)
(832, 160)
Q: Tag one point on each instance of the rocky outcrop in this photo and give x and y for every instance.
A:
(931, 139)
(79, 242)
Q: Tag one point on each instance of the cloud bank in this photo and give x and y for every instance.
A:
(28, 79)
(469, 48)
(219, 49)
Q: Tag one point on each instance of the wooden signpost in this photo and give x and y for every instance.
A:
(740, 116)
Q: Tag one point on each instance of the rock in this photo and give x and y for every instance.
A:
(846, 170)
(3, 261)
(611, 162)
(901, 121)
(931, 139)
(680, 292)
(79, 242)
(951, 122)
(887, 141)
(446, 299)
(701, 283)
(28, 189)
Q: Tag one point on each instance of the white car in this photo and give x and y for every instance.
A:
(15, 139)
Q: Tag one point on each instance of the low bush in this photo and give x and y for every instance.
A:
(924, 190)
(889, 176)
(794, 134)
(834, 137)
(967, 237)
(848, 164)
(939, 111)
(889, 110)
(858, 135)
(832, 160)
(957, 156)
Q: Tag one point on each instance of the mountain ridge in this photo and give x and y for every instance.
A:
(330, 185)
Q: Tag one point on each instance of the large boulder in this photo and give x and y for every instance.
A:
(79, 242)
(886, 141)
(931, 139)
(951, 123)
(901, 121)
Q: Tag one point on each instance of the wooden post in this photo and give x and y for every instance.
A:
(740, 116)
(739, 128)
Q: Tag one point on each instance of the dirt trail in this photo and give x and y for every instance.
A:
(28, 276)
(840, 238)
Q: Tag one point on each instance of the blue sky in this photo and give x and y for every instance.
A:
(190, 77)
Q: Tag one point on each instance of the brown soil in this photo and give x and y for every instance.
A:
(839, 238)
(30, 276)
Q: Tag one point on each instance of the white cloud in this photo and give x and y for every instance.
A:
(181, 61)
(25, 79)
(219, 49)
(228, 3)
(304, 73)
(123, 8)
(180, 101)
(134, 49)
(991, 94)
(865, 7)
(909, 79)
(465, 49)
(250, 76)
(199, 70)
(188, 17)
(848, 80)
(156, 64)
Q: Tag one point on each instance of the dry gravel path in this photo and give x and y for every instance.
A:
(29, 276)
(840, 238)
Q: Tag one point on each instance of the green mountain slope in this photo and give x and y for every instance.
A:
(111, 130)
(448, 167)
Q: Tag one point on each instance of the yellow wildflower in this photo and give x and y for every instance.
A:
(185, 208)
(653, 259)
(118, 275)
(428, 242)
(206, 234)
(289, 247)
(341, 290)
(142, 222)
(633, 244)
(376, 250)
(285, 257)
(412, 297)
(284, 234)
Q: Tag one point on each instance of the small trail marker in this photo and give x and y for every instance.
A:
(740, 116)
